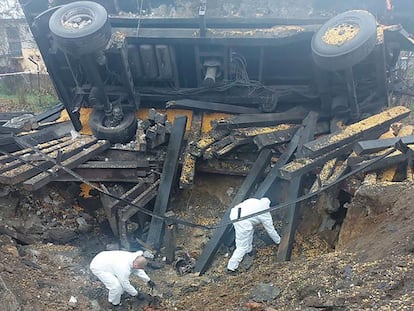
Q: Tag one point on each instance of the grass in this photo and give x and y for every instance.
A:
(29, 102)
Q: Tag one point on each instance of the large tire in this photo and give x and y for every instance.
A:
(121, 133)
(344, 40)
(80, 27)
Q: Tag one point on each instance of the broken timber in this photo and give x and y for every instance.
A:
(374, 145)
(188, 170)
(327, 147)
(369, 127)
(284, 250)
(44, 178)
(167, 178)
(294, 115)
(41, 163)
(209, 106)
(126, 212)
(213, 244)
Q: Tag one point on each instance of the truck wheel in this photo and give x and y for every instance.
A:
(80, 27)
(344, 40)
(121, 133)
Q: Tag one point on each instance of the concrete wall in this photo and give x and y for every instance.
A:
(15, 50)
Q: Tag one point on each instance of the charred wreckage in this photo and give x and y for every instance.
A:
(280, 101)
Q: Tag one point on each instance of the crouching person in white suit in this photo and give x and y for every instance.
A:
(114, 268)
(244, 229)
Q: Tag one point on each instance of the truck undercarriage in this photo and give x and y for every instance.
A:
(117, 64)
(287, 80)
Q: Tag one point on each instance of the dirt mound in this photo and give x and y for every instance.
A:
(371, 269)
(379, 220)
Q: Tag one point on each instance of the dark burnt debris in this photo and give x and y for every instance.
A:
(288, 104)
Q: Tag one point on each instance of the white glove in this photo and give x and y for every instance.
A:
(148, 254)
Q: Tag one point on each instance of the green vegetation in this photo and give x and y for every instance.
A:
(27, 102)
(19, 93)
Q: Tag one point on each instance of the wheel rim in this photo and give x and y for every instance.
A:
(340, 34)
(77, 19)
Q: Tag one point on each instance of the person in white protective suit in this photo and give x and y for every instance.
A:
(244, 229)
(114, 268)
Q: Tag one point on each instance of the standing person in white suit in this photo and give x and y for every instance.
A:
(114, 268)
(244, 229)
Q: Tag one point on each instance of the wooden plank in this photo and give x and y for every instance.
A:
(374, 145)
(223, 166)
(25, 171)
(372, 126)
(302, 166)
(213, 244)
(115, 164)
(284, 250)
(269, 183)
(120, 207)
(44, 178)
(391, 160)
(209, 106)
(43, 147)
(233, 145)
(129, 195)
(294, 115)
(167, 178)
(206, 140)
(141, 200)
(324, 175)
(189, 163)
(105, 175)
(275, 138)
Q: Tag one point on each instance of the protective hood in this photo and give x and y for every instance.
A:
(265, 202)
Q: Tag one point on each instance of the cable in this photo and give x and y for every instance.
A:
(181, 221)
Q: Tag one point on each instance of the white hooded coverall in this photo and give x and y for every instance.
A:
(244, 229)
(113, 268)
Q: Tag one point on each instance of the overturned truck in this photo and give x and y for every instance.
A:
(109, 62)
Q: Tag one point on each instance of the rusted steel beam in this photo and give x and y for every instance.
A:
(44, 178)
(188, 170)
(210, 106)
(167, 179)
(294, 115)
(213, 244)
(373, 126)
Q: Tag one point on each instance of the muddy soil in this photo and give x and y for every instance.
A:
(371, 268)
